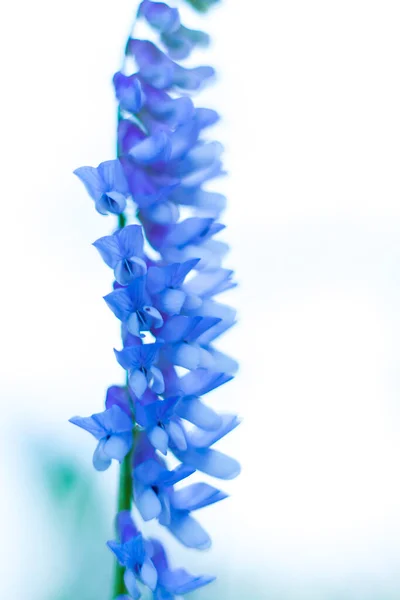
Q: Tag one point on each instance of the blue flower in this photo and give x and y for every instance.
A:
(119, 396)
(132, 305)
(158, 418)
(129, 92)
(133, 556)
(163, 73)
(139, 362)
(172, 582)
(200, 456)
(107, 185)
(164, 299)
(164, 283)
(177, 518)
(159, 15)
(181, 41)
(123, 252)
(152, 479)
(156, 498)
(180, 334)
(113, 429)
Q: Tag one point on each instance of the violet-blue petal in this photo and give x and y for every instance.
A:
(159, 438)
(177, 434)
(118, 446)
(128, 91)
(189, 532)
(159, 15)
(125, 526)
(157, 380)
(195, 496)
(181, 41)
(205, 439)
(131, 585)
(180, 581)
(152, 149)
(185, 355)
(101, 461)
(149, 471)
(209, 461)
(109, 250)
(137, 382)
(195, 411)
(148, 574)
(148, 504)
(120, 396)
(201, 382)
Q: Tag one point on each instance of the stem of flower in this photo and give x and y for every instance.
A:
(125, 498)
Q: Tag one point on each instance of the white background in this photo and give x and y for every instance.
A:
(309, 92)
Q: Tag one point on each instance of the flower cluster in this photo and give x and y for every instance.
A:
(167, 270)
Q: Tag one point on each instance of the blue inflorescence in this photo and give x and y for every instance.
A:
(164, 298)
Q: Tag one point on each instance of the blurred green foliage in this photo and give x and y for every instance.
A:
(79, 523)
(202, 5)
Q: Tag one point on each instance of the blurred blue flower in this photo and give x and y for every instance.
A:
(113, 429)
(139, 362)
(107, 185)
(123, 252)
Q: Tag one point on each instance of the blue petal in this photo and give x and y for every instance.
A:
(137, 382)
(92, 181)
(120, 397)
(133, 325)
(157, 381)
(195, 411)
(112, 202)
(113, 176)
(195, 496)
(159, 15)
(101, 461)
(206, 117)
(91, 425)
(189, 532)
(175, 328)
(185, 355)
(149, 471)
(211, 462)
(177, 434)
(131, 585)
(130, 240)
(127, 270)
(153, 316)
(148, 574)
(188, 231)
(171, 301)
(156, 280)
(178, 474)
(130, 357)
(129, 92)
(205, 439)
(181, 42)
(109, 249)
(148, 504)
(201, 382)
(164, 213)
(159, 438)
(118, 446)
(180, 581)
(154, 148)
(209, 283)
(210, 201)
(120, 302)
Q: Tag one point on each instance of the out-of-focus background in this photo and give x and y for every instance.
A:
(310, 95)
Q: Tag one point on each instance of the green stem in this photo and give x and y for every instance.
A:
(125, 499)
